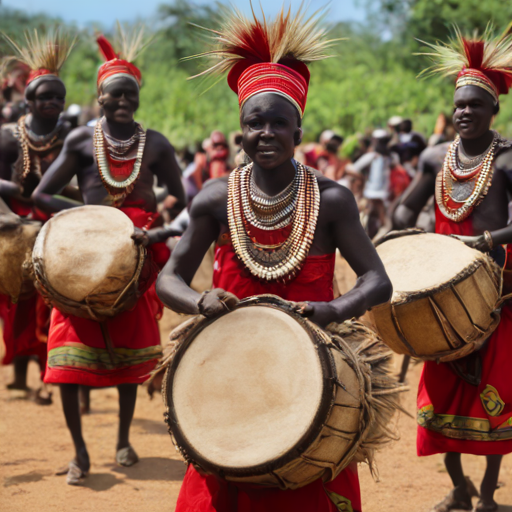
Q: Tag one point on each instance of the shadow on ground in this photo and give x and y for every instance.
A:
(151, 426)
(101, 481)
(154, 468)
(32, 476)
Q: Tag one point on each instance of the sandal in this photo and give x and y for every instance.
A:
(480, 507)
(40, 399)
(450, 503)
(75, 474)
(127, 456)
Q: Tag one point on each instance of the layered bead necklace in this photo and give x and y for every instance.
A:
(118, 170)
(37, 144)
(464, 180)
(297, 205)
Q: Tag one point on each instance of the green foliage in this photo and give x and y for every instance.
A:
(372, 76)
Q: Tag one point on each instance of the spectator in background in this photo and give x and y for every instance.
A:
(210, 163)
(409, 147)
(443, 130)
(394, 129)
(385, 180)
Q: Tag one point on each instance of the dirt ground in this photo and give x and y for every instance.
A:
(34, 442)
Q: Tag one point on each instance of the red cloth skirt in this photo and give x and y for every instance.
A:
(201, 493)
(31, 341)
(455, 416)
(77, 353)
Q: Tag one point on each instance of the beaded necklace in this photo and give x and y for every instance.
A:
(301, 200)
(117, 189)
(467, 187)
(27, 145)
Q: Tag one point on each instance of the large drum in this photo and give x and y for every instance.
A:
(17, 237)
(263, 396)
(86, 263)
(445, 297)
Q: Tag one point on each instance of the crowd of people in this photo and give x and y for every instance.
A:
(277, 210)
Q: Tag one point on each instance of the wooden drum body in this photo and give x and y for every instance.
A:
(445, 297)
(263, 396)
(17, 238)
(86, 263)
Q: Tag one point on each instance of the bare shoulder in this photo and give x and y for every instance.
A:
(78, 136)
(504, 158)
(335, 199)
(158, 140)
(431, 160)
(212, 200)
(8, 141)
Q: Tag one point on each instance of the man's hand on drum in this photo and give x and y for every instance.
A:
(215, 302)
(480, 243)
(321, 313)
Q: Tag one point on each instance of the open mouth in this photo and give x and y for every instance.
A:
(267, 151)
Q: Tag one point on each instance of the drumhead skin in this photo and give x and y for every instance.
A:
(425, 261)
(87, 250)
(248, 388)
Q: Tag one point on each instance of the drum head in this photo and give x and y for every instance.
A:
(87, 250)
(423, 262)
(248, 387)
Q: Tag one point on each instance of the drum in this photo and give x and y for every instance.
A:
(86, 263)
(261, 395)
(17, 237)
(445, 297)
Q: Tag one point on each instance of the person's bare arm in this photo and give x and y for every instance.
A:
(173, 284)
(59, 174)
(168, 172)
(373, 285)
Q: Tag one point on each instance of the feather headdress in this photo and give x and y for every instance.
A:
(131, 43)
(44, 54)
(484, 61)
(268, 55)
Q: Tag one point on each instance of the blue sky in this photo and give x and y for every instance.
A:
(107, 11)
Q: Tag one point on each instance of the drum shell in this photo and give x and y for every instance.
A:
(104, 303)
(447, 323)
(329, 445)
(17, 238)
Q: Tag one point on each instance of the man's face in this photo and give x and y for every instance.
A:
(120, 100)
(270, 129)
(49, 100)
(473, 111)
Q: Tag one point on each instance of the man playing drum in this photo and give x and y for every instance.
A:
(116, 163)
(27, 149)
(277, 225)
(466, 406)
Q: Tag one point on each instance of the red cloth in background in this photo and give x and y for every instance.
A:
(200, 493)
(442, 392)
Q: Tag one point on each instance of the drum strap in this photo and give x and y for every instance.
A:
(108, 342)
(468, 368)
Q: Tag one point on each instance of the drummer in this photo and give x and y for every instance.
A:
(27, 149)
(116, 163)
(272, 99)
(466, 406)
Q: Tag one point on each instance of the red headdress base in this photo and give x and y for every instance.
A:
(270, 77)
(37, 73)
(115, 65)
